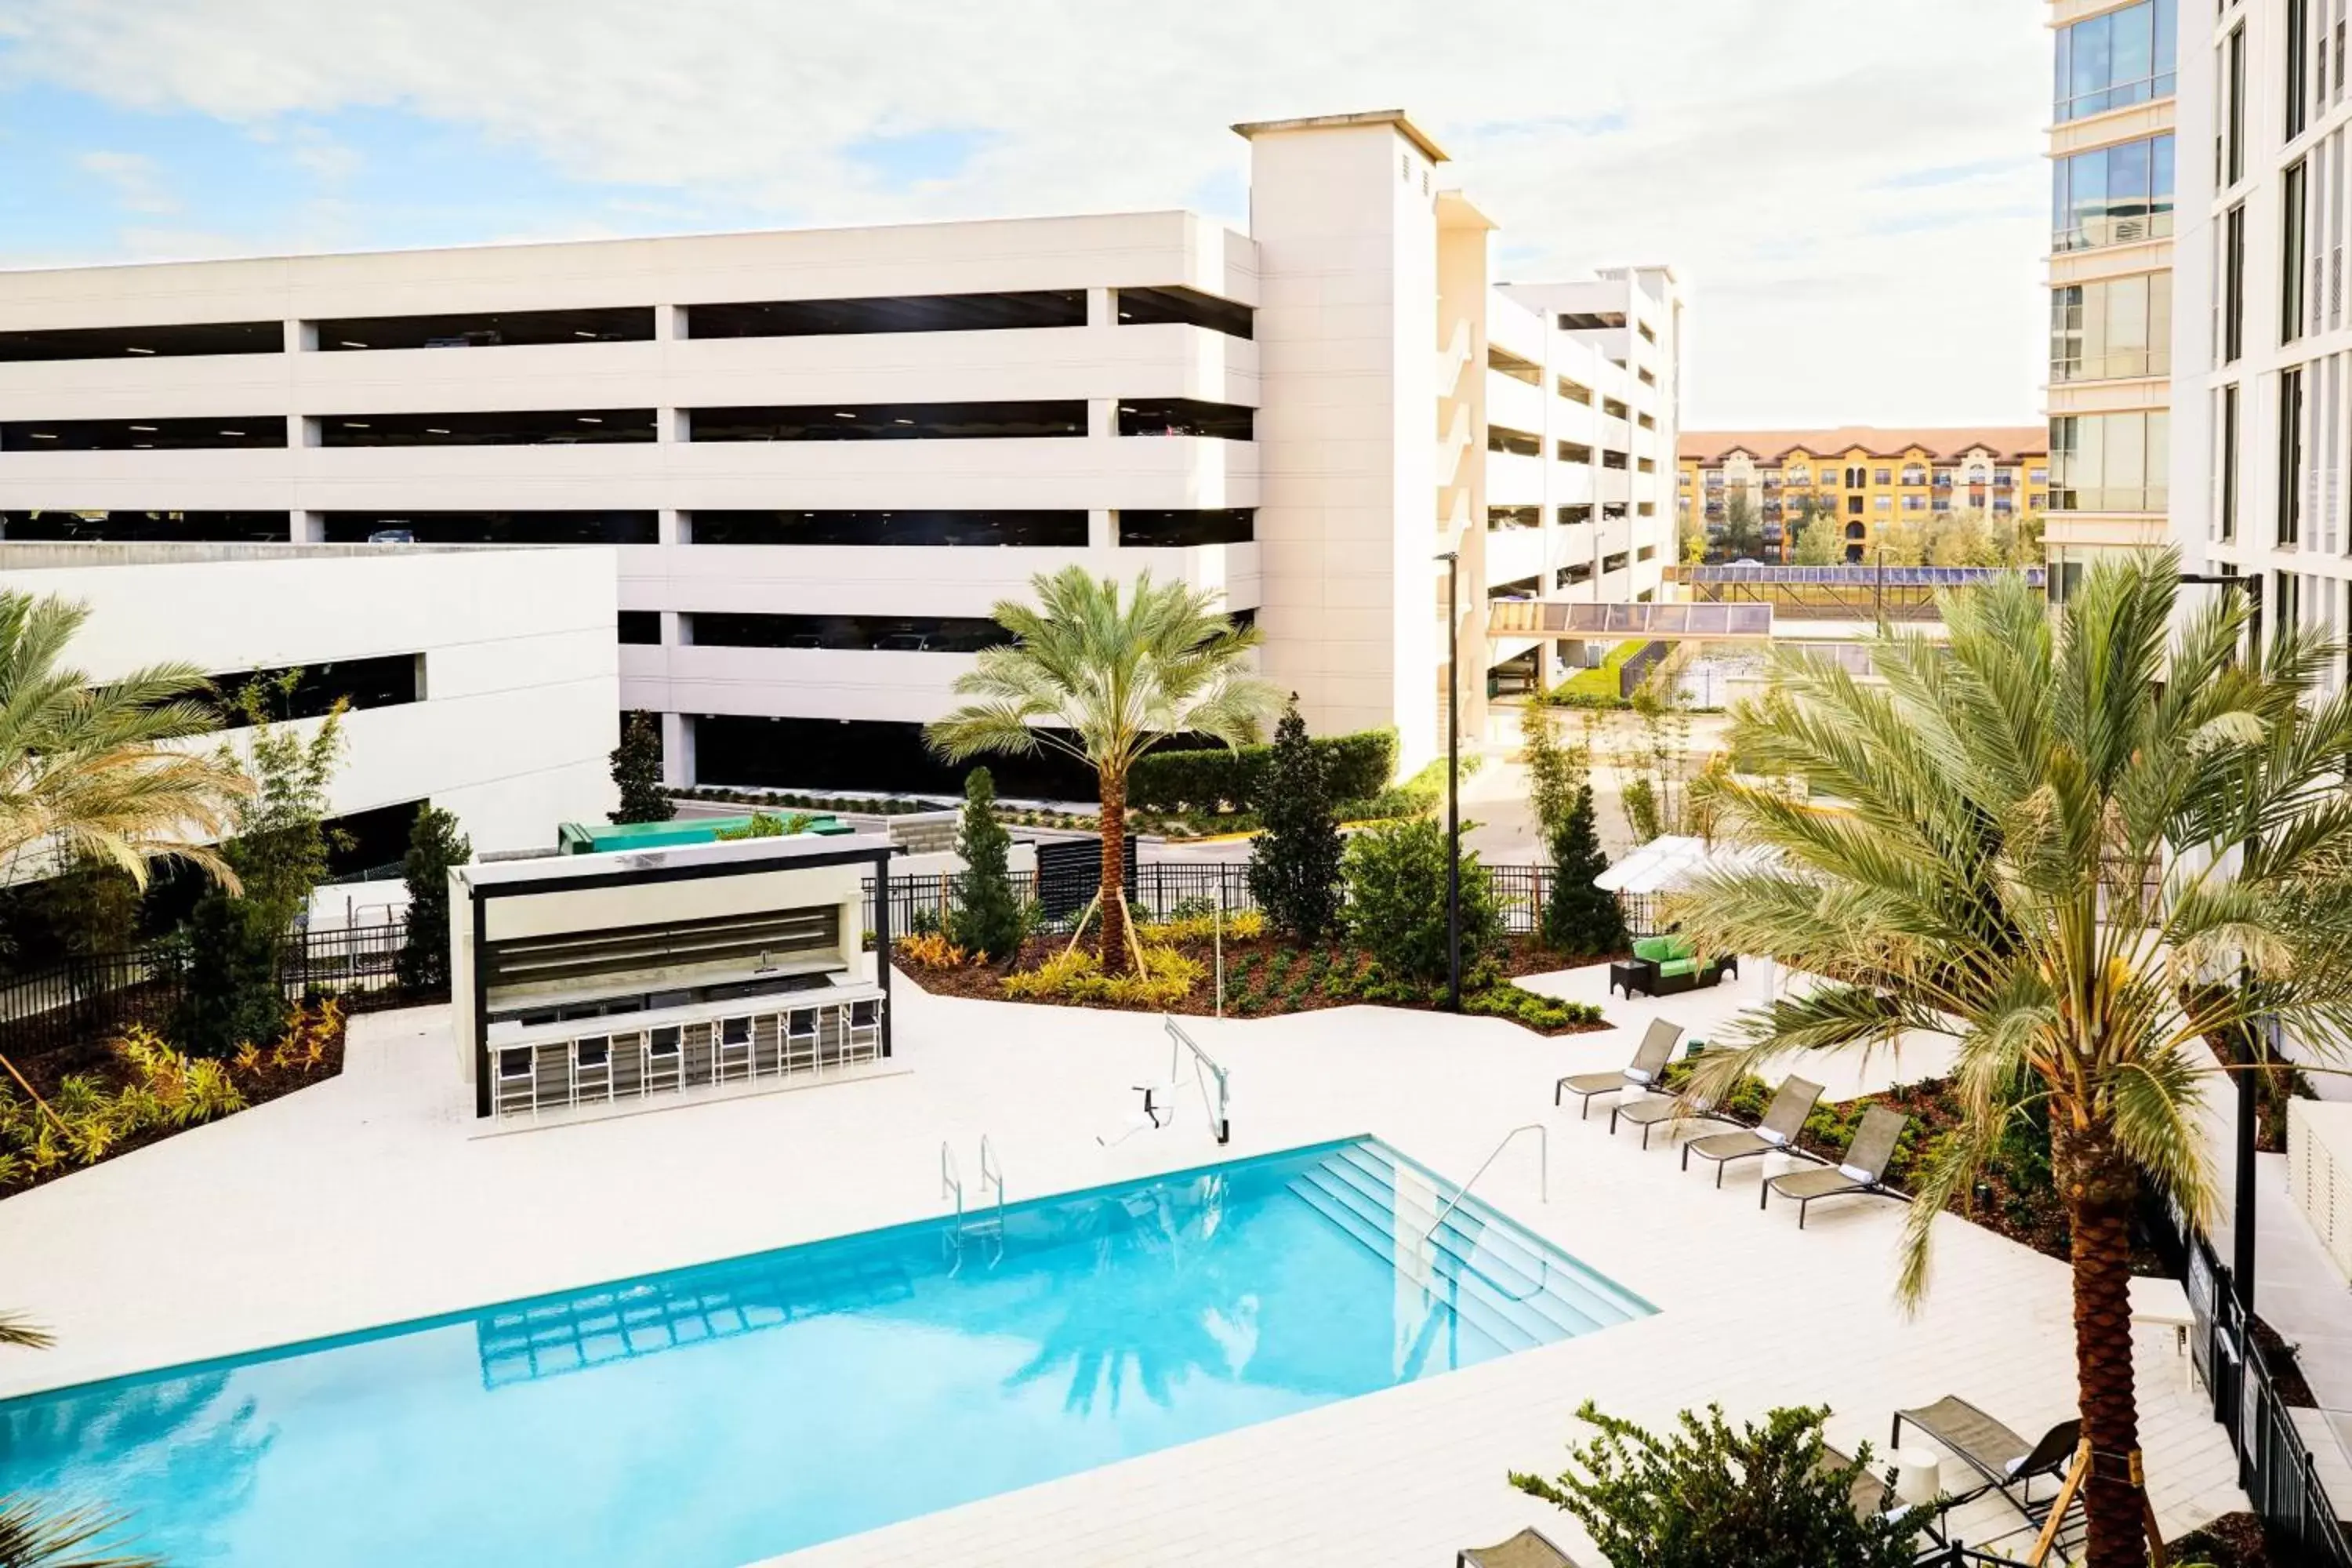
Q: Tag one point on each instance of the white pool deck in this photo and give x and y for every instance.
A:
(364, 1200)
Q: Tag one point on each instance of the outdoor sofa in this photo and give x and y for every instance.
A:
(1662, 965)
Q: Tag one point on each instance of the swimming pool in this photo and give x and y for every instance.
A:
(719, 1414)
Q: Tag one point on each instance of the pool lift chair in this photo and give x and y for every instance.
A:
(1158, 1108)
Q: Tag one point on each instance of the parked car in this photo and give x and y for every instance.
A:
(392, 536)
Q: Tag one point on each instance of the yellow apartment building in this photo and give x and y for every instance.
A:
(1864, 477)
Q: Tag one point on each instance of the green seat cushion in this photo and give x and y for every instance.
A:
(1680, 947)
(1655, 949)
(1678, 966)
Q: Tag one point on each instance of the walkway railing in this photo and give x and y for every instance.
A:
(2274, 1464)
(1168, 888)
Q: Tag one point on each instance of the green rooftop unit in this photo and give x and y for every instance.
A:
(604, 838)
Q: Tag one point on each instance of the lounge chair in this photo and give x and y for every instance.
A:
(1863, 1170)
(1784, 1119)
(1657, 1049)
(1661, 1109)
(2009, 1464)
(1527, 1549)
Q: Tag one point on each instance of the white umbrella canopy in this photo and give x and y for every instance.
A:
(1667, 863)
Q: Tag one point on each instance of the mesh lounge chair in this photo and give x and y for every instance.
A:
(1864, 1169)
(1649, 1061)
(1791, 1104)
(2008, 1463)
(1527, 1549)
(1660, 1109)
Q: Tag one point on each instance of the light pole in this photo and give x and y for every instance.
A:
(2242, 1218)
(1453, 559)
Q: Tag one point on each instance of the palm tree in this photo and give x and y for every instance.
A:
(1105, 678)
(34, 1537)
(2077, 849)
(100, 772)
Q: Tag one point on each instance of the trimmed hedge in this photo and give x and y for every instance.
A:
(1216, 780)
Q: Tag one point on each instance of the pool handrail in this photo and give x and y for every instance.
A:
(1543, 1148)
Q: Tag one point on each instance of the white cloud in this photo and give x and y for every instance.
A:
(1774, 154)
(135, 181)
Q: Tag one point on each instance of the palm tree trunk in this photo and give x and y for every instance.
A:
(1113, 893)
(2101, 1187)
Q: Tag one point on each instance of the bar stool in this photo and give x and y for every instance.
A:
(863, 1041)
(592, 1066)
(517, 1083)
(661, 1053)
(802, 1026)
(730, 1046)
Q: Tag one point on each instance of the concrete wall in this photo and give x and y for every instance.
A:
(521, 689)
(1345, 221)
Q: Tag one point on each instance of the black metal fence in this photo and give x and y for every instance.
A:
(1160, 888)
(2275, 1463)
(90, 998)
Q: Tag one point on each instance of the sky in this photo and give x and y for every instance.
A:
(1852, 192)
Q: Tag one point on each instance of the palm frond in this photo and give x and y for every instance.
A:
(15, 1329)
(34, 1537)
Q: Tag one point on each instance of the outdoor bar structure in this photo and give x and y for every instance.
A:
(606, 981)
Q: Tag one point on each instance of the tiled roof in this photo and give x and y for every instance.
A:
(2009, 442)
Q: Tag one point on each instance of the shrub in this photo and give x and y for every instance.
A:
(84, 1121)
(1075, 974)
(637, 773)
(227, 961)
(434, 845)
(931, 950)
(990, 918)
(1055, 977)
(1240, 925)
(1395, 879)
(1357, 766)
(766, 824)
(1582, 920)
(1536, 1011)
(1708, 1497)
(1294, 867)
(1640, 799)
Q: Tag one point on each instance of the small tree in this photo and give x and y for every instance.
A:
(226, 957)
(1818, 544)
(229, 955)
(637, 771)
(1395, 879)
(1294, 869)
(1743, 525)
(990, 918)
(1555, 773)
(434, 845)
(283, 843)
(1582, 920)
(1708, 1497)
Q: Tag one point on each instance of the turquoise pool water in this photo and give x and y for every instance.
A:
(717, 1415)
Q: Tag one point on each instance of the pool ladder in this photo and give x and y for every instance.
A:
(992, 1225)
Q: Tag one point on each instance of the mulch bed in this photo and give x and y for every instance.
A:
(2232, 1541)
(1246, 992)
(95, 1058)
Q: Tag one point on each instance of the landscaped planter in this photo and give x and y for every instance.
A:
(1265, 977)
